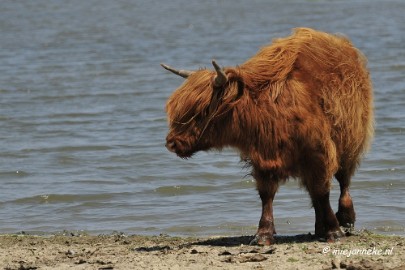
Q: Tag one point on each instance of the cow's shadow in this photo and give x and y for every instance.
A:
(232, 241)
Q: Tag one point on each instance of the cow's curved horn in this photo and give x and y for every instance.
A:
(221, 78)
(181, 72)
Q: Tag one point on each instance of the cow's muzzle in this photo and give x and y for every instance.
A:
(171, 145)
(181, 148)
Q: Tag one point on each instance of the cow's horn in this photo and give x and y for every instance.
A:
(221, 78)
(181, 72)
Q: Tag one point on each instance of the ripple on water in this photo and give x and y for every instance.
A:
(183, 190)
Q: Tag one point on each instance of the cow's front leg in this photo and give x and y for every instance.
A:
(267, 187)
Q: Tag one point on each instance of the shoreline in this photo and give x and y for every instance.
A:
(362, 250)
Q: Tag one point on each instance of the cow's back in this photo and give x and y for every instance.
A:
(335, 72)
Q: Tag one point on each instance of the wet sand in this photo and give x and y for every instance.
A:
(363, 250)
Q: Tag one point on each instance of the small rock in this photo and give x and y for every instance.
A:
(70, 253)
(81, 261)
(225, 253)
(270, 251)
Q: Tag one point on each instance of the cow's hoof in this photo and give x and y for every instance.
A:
(346, 219)
(333, 236)
(262, 240)
(349, 230)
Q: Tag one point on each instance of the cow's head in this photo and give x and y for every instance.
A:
(198, 111)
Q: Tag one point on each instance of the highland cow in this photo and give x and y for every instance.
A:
(300, 108)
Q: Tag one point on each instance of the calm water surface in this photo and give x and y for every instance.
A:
(82, 121)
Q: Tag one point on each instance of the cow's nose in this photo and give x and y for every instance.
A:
(171, 145)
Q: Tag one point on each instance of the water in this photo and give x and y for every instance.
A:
(82, 122)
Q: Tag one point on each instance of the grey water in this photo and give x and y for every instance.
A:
(83, 126)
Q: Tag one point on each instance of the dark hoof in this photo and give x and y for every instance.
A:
(346, 220)
(262, 240)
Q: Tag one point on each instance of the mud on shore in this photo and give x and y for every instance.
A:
(363, 250)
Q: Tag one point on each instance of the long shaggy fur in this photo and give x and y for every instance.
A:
(303, 100)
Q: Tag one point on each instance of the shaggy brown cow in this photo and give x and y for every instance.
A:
(301, 107)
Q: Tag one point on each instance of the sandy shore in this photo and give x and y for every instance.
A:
(363, 250)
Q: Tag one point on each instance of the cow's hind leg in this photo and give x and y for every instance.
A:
(326, 224)
(267, 187)
(345, 214)
(316, 179)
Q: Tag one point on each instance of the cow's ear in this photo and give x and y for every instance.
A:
(235, 87)
(239, 89)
